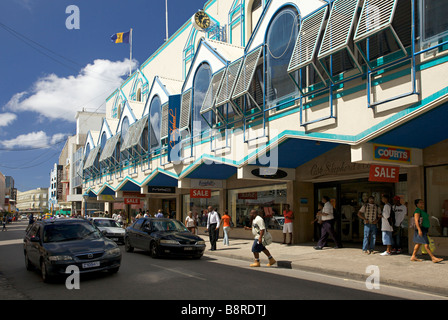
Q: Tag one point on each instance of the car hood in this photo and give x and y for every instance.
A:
(112, 229)
(79, 246)
(176, 235)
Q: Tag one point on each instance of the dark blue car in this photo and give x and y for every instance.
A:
(53, 245)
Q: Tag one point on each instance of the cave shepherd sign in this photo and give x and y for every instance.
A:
(384, 173)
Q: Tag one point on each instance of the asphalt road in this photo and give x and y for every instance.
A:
(210, 278)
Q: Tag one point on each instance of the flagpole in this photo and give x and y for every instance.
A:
(166, 18)
(130, 54)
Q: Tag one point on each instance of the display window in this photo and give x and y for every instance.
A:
(199, 206)
(437, 200)
(269, 200)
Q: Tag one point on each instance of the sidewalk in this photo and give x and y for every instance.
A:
(348, 262)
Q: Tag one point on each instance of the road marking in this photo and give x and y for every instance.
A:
(9, 242)
(185, 274)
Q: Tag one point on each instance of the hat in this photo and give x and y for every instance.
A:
(397, 198)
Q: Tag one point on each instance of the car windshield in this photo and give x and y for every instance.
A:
(70, 231)
(106, 223)
(168, 225)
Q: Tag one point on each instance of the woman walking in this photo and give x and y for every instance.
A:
(226, 227)
(422, 225)
(190, 222)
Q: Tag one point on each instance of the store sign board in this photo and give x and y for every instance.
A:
(200, 193)
(206, 183)
(391, 154)
(131, 200)
(384, 173)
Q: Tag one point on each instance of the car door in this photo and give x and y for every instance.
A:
(33, 244)
(146, 234)
(134, 233)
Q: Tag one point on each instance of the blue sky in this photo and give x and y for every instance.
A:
(42, 88)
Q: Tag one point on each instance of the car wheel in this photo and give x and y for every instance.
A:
(28, 264)
(154, 250)
(127, 245)
(44, 272)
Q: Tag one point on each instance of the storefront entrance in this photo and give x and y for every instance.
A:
(347, 197)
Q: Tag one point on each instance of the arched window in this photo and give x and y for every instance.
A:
(87, 151)
(124, 129)
(155, 122)
(201, 83)
(280, 41)
(139, 95)
(103, 140)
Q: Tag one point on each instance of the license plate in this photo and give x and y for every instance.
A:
(188, 248)
(91, 264)
(114, 239)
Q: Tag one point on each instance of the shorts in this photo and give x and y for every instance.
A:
(258, 247)
(287, 227)
(387, 238)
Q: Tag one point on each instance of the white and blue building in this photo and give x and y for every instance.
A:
(283, 102)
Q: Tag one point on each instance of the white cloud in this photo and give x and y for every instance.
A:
(6, 119)
(54, 97)
(34, 140)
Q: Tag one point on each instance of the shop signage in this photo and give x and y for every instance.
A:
(200, 193)
(131, 200)
(248, 196)
(206, 183)
(384, 173)
(173, 128)
(269, 173)
(161, 189)
(391, 154)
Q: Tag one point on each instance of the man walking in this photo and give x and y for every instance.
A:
(213, 226)
(258, 230)
(327, 225)
(401, 212)
(287, 225)
(369, 213)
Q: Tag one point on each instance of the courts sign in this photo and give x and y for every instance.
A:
(391, 154)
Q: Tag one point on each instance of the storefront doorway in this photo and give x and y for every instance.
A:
(347, 197)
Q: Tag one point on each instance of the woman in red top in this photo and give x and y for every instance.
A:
(287, 225)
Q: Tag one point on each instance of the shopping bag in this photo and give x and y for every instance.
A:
(432, 246)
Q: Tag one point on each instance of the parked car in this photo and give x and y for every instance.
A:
(163, 237)
(53, 245)
(110, 228)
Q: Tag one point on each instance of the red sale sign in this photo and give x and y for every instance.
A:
(384, 173)
(131, 201)
(200, 193)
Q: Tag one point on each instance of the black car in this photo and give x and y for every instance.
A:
(53, 245)
(163, 237)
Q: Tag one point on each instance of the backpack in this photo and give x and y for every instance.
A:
(391, 218)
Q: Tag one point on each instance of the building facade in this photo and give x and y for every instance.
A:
(269, 102)
(33, 201)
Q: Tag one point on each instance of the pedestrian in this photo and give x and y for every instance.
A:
(386, 228)
(189, 222)
(226, 227)
(318, 220)
(139, 215)
(213, 223)
(287, 225)
(196, 223)
(400, 213)
(159, 214)
(4, 221)
(422, 225)
(31, 219)
(119, 218)
(258, 230)
(369, 213)
(327, 216)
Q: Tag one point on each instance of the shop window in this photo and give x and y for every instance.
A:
(199, 206)
(434, 25)
(103, 140)
(256, 10)
(437, 200)
(155, 122)
(269, 200)
(201, 84)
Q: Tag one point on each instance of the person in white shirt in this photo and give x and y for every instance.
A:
(327, 217)
(258, 230)
(401, 212)
(386, 228)
(213, 221)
